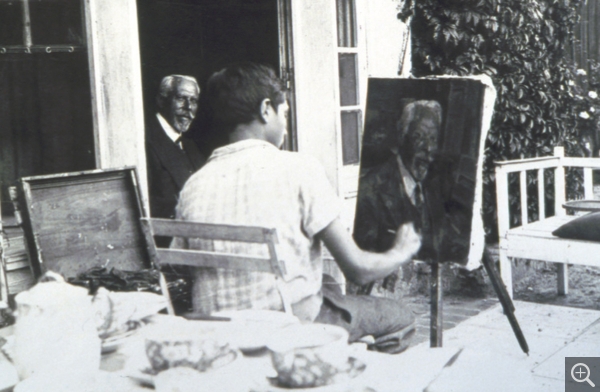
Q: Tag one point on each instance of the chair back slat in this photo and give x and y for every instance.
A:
(212, 259)
(200, 258)
(209, 231)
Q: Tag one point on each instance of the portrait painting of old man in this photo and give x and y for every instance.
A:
(421, 161)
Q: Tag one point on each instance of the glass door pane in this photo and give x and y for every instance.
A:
(346, 23)
(348, 79)
(11, 23)
(351, 125)
(56, 22)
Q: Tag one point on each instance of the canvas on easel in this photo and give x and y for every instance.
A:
(421, 163)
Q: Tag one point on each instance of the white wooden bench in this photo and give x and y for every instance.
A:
(534, 240)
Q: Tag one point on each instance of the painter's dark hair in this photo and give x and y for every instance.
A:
(236, 92)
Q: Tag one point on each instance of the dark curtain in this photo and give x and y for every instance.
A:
(45, 115)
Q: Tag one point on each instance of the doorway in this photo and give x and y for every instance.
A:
(200, 37)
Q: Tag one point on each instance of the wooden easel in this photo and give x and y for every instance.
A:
(436, 324)
(436, 327)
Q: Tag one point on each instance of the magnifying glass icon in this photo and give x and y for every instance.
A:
(581, 375)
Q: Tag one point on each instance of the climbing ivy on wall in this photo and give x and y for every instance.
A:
(522, 45)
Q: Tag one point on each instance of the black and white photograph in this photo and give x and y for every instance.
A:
(299, 195)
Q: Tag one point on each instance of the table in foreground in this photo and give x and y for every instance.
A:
(411, 370)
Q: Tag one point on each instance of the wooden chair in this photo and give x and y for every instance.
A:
(202, 258)
(533, 239)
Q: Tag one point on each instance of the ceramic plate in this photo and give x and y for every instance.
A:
(343, 383)
(260, 316)
(114, 342)
(251, 330)
(145, 376)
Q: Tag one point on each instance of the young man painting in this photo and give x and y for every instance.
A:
(252, 182)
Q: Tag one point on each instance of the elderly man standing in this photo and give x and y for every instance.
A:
(404, 188)
(253, 182)
(171, 156)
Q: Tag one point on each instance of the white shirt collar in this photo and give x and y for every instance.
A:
(410, 185)
(169, 130)
(239, 146)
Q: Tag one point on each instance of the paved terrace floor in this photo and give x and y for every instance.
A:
(490, 358)
(455, 311)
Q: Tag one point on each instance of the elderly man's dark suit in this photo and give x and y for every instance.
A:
(383, 205)
(169, 167)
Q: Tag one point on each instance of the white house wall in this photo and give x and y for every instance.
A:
(388, 45)
(315, 81)
(115, 74)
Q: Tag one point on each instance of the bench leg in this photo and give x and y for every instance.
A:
(563, 279)
(506, 271)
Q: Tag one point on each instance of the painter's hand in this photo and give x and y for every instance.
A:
(407, 242)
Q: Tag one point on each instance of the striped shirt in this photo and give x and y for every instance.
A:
(251, 182)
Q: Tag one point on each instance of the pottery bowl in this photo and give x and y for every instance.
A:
(309, 355)
(200, 350)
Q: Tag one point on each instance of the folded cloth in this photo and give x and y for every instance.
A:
(119, 312)
(391, 323)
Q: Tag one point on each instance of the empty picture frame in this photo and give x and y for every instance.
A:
(421, 161)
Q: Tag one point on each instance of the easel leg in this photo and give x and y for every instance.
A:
(436, 322)
(507, 304)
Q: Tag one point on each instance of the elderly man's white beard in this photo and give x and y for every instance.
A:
(182, 124)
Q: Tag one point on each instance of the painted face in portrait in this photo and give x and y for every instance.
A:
(422, 145)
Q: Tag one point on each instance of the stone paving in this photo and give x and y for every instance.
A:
(491, 359)
(455, 310)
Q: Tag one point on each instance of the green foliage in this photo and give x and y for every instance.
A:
(587, 99)
(521, 45)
